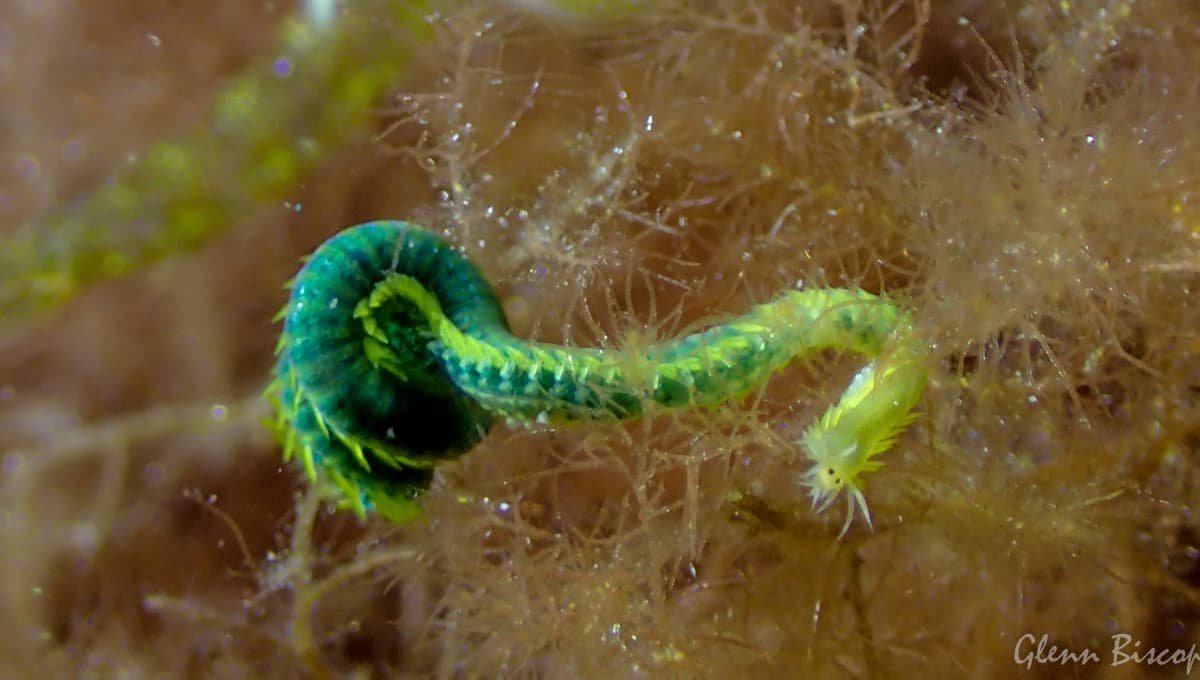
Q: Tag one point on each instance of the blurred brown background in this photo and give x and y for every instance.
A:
(1023, 174)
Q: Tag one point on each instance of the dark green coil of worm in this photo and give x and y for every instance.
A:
(396, 355)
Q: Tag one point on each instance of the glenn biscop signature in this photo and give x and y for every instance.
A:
(1033, 650)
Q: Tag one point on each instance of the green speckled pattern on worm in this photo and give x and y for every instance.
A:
(396, 355)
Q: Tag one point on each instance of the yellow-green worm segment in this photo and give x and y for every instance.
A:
(396, 355)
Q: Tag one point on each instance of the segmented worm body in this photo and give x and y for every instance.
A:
(396, 355)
